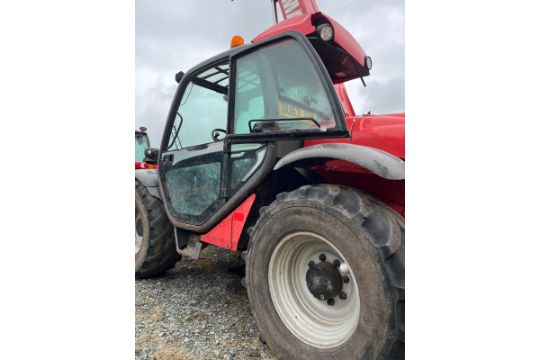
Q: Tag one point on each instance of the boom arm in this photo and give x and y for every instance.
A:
(292, 8)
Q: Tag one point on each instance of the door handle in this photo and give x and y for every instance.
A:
(167, 159)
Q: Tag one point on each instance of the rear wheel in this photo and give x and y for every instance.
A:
(155, 249)
(325, 275)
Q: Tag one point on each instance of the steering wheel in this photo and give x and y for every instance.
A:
(215, 133)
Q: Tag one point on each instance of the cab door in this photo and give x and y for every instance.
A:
(192, 152)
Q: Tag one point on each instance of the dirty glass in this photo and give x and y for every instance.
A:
(141, 143)
(195, 184)
(193, 178)
(196, 187)
(280, 82)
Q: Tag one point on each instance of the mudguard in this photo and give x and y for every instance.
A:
(150, 179)
(378, 161)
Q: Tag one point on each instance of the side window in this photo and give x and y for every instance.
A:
(249, 101)
(141, 143)
(278, 89)
(202, 109)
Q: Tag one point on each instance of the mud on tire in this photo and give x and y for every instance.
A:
(157, 251)
(371, 238)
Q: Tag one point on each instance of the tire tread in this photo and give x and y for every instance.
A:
(162, 254)
(385, 230)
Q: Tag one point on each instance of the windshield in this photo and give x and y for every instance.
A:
(141, 143)
(278, 89)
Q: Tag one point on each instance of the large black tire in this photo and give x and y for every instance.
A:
(371, 237)
(158, 250)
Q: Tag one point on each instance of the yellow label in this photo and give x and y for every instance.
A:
(289, 110)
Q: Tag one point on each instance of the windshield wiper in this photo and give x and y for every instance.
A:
(267, 123)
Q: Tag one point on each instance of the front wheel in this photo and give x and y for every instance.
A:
(325, 275)
(155, 249)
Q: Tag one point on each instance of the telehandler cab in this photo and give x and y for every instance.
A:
(263, 154)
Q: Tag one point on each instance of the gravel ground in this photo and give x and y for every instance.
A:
(198, 310)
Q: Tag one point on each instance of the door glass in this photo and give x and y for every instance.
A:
(245, 160)
(203, 108)
(192, 177)
(278, 89)
(193, 185)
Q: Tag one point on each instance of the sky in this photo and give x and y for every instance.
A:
(175, 35)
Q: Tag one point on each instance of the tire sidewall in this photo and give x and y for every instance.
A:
(141, 255)
(371, 334)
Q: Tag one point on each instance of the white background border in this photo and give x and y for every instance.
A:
(66, 115)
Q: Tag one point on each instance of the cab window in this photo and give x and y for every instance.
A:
(278, 89)
(141, 143)
(202, 109)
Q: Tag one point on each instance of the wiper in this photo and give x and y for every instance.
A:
(176, 132)
(266, 124)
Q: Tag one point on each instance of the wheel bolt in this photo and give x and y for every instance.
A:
(336, 263)
(342, 295)
(330, 302)
(311, 263)
(322, 297)
(346, 279)
(322, 257)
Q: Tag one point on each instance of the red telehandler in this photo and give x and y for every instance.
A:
(263, 154)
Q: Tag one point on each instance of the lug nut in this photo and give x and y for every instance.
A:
(346, 279)
(322, 257)
(336, 263)
(342, 295)
(330, 302)
(343, 268)
(321, 297)
(311, 263)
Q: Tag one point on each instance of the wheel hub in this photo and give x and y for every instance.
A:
(324, 280)
(296, 290)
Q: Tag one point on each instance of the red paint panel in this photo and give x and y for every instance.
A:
(301, 24)
(220, 235)
(385, 132)
(227, 233)
(344, 39)
(344, 99)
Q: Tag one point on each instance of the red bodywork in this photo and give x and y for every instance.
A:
(305, 25)
(143, 165)
(227, 233)
(385, 132)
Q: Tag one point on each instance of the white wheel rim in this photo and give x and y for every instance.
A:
(313, 321)
(138, 237)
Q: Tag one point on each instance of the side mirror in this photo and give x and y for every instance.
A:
(151, 155)
(179, 76)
